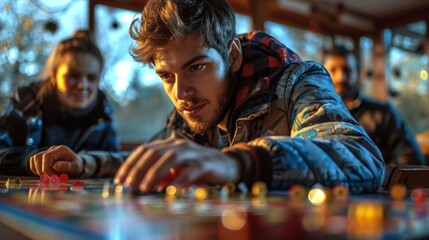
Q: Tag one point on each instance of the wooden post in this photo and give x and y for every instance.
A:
(379, 83)
(259, 12)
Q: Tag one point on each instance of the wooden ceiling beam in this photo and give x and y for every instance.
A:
(403, 18)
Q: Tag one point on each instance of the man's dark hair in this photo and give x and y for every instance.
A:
(342, 51)
(164, 20)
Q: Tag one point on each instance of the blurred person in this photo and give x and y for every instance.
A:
(380, 120)
(247, 109)
(65, 107)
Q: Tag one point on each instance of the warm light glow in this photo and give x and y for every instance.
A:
(424, 75)
(317, 196)
(366, 220)
(234, 217)
(170, 191)
(105, 194)
(201, 193)
(119, 189)
(314, 219)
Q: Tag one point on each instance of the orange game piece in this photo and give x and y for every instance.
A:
(259, 189)
(64, 178)
(340, 192)
(398, 191)
(297, 192)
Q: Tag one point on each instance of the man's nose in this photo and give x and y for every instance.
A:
(184, 90)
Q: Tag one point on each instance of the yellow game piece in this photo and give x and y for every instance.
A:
(201, 193)
(14, 183)
(7, 183)
(171, 192)
(317, 196)
(398, 191)
(259, 189)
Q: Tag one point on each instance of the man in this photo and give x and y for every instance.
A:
(383, 124)
(247, 109)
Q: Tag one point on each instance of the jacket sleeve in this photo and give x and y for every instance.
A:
(102, 163)
(14, 152)
(401, 143)
(325, 144)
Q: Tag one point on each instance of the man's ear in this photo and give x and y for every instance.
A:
(52, 79)
(235, 54)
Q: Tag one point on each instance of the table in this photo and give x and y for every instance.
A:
(100, 210)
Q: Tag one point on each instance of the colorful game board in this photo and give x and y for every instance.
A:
(100, 210)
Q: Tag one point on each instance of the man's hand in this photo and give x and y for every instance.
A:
(150, 163)
(56, 160)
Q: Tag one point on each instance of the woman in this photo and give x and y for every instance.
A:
(65, 108)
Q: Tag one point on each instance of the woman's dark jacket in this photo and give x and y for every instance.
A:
(34, 120)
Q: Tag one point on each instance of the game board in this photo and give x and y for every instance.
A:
(100, 210)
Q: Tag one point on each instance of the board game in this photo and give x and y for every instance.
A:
(97, 209)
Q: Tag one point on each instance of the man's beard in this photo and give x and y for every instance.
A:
(225, 101)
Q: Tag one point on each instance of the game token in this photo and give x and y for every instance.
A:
(44, 179)
(297, 192)
(187, 192)
(172, 173)
(340, 192)
(64, 178)
(77, 183)
(13, 183)
(231, 187)
(201, 193)
(54, 179)
(398, 191)
(259, 189)
(418, 196)
(171, 192)
(77, 186)
(317, 195)
(227, 190)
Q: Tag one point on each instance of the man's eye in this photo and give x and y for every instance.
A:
(165, 77)
(197, 67)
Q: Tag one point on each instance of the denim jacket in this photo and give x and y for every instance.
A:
(294, 113)
(287, 126)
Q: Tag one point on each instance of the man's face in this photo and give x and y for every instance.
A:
(197, 80)
(344, 74)
(76, 79)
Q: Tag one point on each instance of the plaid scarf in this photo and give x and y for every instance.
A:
(263, 56)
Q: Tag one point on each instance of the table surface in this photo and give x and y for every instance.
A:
(97, 210)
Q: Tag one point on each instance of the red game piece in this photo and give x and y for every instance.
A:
(77, 183)
(54, 179)
(418, 196)
(64, 178)
(173, 172)
(44, 179)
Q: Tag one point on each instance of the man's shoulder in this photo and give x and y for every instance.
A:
(373, 103)
(307, 72)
